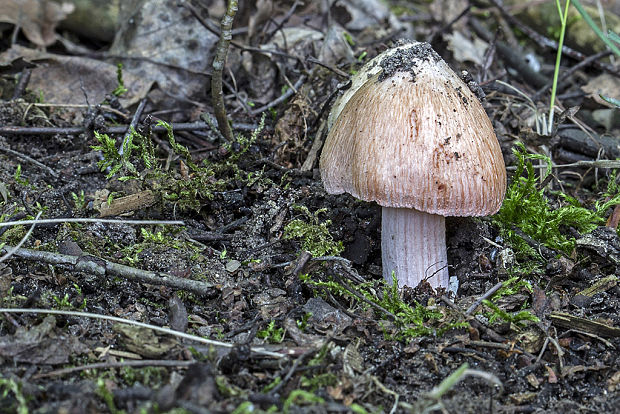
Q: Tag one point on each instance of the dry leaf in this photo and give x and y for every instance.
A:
(604, 84)
(63, 79)
(465, 49)
(37, 18)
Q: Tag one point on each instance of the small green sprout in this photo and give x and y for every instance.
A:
(63, 303)
(272, 333)
(120, 87)
(302, 324)
(79, 200)
(18, 176)
(348, 38)
(11, 386)
(301, 397)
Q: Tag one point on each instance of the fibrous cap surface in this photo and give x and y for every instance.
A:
(415, 136)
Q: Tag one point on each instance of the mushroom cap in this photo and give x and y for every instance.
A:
(415, 136)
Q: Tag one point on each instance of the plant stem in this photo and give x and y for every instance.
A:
(217, 96)
(556, 72)
(595, 28)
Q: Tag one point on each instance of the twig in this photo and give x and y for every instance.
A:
(22, 83)
(172, 332)
(132, 125)
(431, 38)
(292, 370)
(475, 323)
(182, 126)
(104, 268)
(586, 62)
(217, 96)
(283, 21)
(290, 92)
(30, 160)
(361, 297)
(548, 43)
(608, 164)
(116, 364)
(22, 241)
(334, 69)
(486, 295)
(104, 108)
(93, 220)
(511, 56)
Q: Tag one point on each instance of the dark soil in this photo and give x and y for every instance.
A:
(350, 356)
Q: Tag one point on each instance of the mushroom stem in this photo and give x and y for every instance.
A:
(413, 245)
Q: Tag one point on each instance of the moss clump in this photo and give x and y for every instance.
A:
(187, 189)
(528, 209)
(408, 320)
(314, 234)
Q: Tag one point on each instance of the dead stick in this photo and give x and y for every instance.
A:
(217, 95)
(101, 267)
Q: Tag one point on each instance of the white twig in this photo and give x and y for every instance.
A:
(22, 241)
(257, 350)
(93, 220)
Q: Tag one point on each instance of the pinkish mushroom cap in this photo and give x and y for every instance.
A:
(415, 139)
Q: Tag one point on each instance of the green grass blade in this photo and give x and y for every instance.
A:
(595, 28)
(611, 100)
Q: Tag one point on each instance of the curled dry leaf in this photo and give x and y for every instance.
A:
(37, 18)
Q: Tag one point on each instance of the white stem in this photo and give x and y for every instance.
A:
(413, 245)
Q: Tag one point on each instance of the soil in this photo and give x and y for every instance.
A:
(288, 345)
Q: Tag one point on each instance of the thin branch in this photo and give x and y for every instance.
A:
(181, 126)
(30, 160)
(290, 92)
(545, 42)
(172, 332)
(132, 125)
(106, 269)
(217, 95)
(22, 241)
(93, 220)
(486, 295)
(116, 364)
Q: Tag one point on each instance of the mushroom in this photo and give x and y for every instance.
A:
(414, 138)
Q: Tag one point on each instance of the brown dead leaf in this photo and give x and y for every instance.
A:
(37, 18)
(604, 84)
(291, 132)
(143, 341)
(40, 345)
(63, 79)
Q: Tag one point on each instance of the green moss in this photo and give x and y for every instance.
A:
(314, 234)
(13, 399)
(410, 320)
(187, 190)
(272, 333)
(510, 287)
(528, 209)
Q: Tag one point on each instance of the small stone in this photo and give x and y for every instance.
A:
(232, 266)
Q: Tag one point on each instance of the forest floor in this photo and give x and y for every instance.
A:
(276, 284)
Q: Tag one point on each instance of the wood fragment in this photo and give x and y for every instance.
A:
(104, 268)
(600, 285)
(568, 321)
(132, 202)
